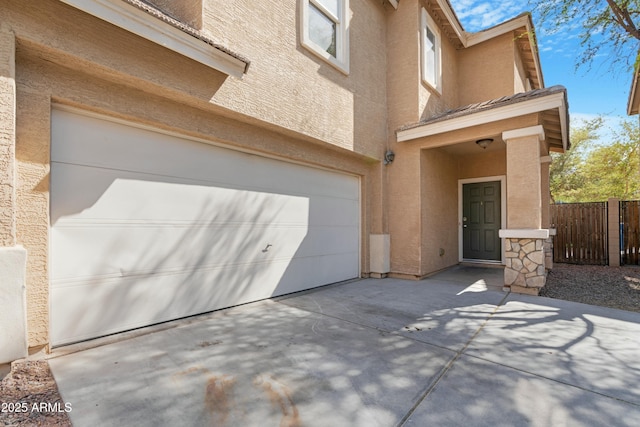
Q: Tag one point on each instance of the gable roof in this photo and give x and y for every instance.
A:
(521, 25)
(550, 102)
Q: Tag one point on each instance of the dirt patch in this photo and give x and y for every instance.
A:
(29, 397)
(218, 398)
(613, 287)
(280, 397)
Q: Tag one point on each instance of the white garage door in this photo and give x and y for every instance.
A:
(148, 227)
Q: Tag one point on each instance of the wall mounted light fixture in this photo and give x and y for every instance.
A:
(388, 157)
(484, 143)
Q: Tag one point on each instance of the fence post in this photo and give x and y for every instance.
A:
(613, 228)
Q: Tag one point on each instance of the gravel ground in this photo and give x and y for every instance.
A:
(29, 397)
(30, 382)
(614, 287)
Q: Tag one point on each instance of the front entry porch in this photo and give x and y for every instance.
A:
(480, 191)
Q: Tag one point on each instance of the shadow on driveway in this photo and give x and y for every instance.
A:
(448, 350)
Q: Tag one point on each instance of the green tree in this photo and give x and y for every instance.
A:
(566, 177)
(606, 25)
(592, 172)
(613, 170)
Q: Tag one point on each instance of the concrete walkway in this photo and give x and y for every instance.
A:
(452, 350)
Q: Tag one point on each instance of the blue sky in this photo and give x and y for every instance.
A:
(591, 92)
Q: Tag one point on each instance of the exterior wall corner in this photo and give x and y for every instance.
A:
(7, 137)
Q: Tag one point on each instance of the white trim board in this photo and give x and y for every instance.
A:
(555, 100)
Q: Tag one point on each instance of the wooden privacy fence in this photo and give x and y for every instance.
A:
(630, 232)
(581, 233)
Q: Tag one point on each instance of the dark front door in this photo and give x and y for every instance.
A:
(481, 221)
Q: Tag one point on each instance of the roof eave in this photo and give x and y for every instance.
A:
(141, 23)
(537, 105)
(453, 20)
(467, 39)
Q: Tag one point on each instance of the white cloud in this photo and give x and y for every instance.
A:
(478, 15)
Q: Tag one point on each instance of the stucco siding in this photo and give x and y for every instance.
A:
(289, 86)
(7, 136)
(286, 86)
(32, 160)
(519, 73)
(523, 172)
(439, 210)
(485, 71)
(403, 62)
(490, 163)
(404, 210)
(433, 102)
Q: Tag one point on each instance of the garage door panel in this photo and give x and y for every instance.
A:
(148, 227)
(94, 193)
(112, 305)
(334, 212)
(105, 144)
(92, 251)
(125, 303)
(313, 272)
(99, 143)
(96, 251)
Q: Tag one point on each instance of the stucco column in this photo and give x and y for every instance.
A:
(13, 334)
(545, 191)
(524, 181)
(527, 198)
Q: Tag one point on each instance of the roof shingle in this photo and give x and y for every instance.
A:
(487, 105)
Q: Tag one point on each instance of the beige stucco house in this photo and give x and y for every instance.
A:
(162, 159)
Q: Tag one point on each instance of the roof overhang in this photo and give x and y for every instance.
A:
(633, 105)
(522, 26)
(552, 106)
(176, 37)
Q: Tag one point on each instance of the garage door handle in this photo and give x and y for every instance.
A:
(267, 248)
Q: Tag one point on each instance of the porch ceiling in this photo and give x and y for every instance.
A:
(470, 147)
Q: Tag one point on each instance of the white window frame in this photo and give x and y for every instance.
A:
(341, 60)
(428, 22)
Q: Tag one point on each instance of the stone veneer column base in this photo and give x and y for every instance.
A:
(524, 252)
(525, 270)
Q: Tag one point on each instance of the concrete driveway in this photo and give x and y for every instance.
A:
(452, 350)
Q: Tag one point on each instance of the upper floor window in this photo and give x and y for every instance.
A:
(431, 55)
(325, 30)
